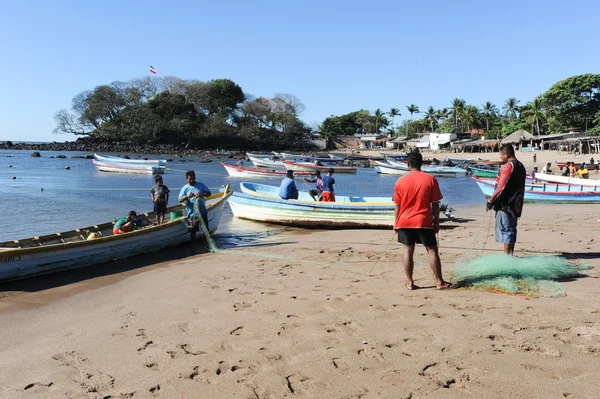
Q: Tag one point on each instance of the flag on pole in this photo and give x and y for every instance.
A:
(152, 69)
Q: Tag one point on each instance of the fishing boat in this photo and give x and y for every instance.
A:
(324, 161)
(111, 159)
(310, 167)
(483, 171)
(258, 155)
(261, 202)
(561, 164)
(566, 180)
(249, 171)
(439, 171)
(75, 248)
(266, 162)
(129, 168)
(389, 169)
(549, 193)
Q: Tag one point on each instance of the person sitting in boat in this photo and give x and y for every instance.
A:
(546, 170)
(565, 169)
(288, 189)
(533, 173)
(572, 169)
(583, 172)
(125, 224)
(318, 163)
(194, 192)
(317, 193)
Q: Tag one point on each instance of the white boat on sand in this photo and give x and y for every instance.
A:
(73, 249)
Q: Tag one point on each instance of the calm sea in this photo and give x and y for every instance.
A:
(46, 198)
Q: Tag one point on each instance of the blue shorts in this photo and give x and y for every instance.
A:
(506, 228)
(160, 208)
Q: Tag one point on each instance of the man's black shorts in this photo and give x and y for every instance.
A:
(417, 236)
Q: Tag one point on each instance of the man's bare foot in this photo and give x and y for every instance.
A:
(444, 286)
(412, 287)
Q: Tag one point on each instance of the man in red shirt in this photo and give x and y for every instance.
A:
(417, 196)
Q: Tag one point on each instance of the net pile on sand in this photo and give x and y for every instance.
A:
(533, 276)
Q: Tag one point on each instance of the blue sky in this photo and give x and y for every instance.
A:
(336, 57)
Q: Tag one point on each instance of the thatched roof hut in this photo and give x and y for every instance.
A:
(517, 137)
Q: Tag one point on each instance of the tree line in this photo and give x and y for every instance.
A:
(572, 104)
(170, 110)
(218, 113)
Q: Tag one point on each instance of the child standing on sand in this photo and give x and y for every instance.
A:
(160, 197)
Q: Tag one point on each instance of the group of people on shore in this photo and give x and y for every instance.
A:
(191, 193)
(416, 195)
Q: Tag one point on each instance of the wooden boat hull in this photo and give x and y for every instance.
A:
(22, 258)
(138, 169)
(258, 203)
(308, 167)
(477, 172)
(567, 180)
(556, 193)
(266, 162)
(388, 169)
(111, 159)
(245, 171)
(438, 171)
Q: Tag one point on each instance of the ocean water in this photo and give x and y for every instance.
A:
(46, 198)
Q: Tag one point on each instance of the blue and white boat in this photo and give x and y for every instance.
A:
(549, 193)
(262, 203)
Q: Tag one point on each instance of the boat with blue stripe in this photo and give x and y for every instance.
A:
(549, 193)
(261, 202)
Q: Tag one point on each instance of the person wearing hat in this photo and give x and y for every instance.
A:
(317, 193)
(288, 189)
(328, 182)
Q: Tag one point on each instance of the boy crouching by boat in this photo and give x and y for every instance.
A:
(125, 224)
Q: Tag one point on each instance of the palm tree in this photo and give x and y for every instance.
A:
(510, 108)
(378, 117)
(413, 109)
(442, 114)
(488, 111)
(458, 106)
(394, 112)
(430, 117)
(533, 113)
(470, 116)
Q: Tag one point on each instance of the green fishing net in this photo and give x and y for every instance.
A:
(533, 276)
(212, 246)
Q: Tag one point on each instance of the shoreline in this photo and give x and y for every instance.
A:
(300, 312)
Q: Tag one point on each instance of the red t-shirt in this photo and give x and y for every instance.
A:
(414, 193)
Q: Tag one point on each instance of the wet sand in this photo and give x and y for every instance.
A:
(298, 315)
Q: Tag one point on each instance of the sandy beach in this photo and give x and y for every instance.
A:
(298, 315)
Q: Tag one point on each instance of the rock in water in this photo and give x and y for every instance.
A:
(36, 154)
